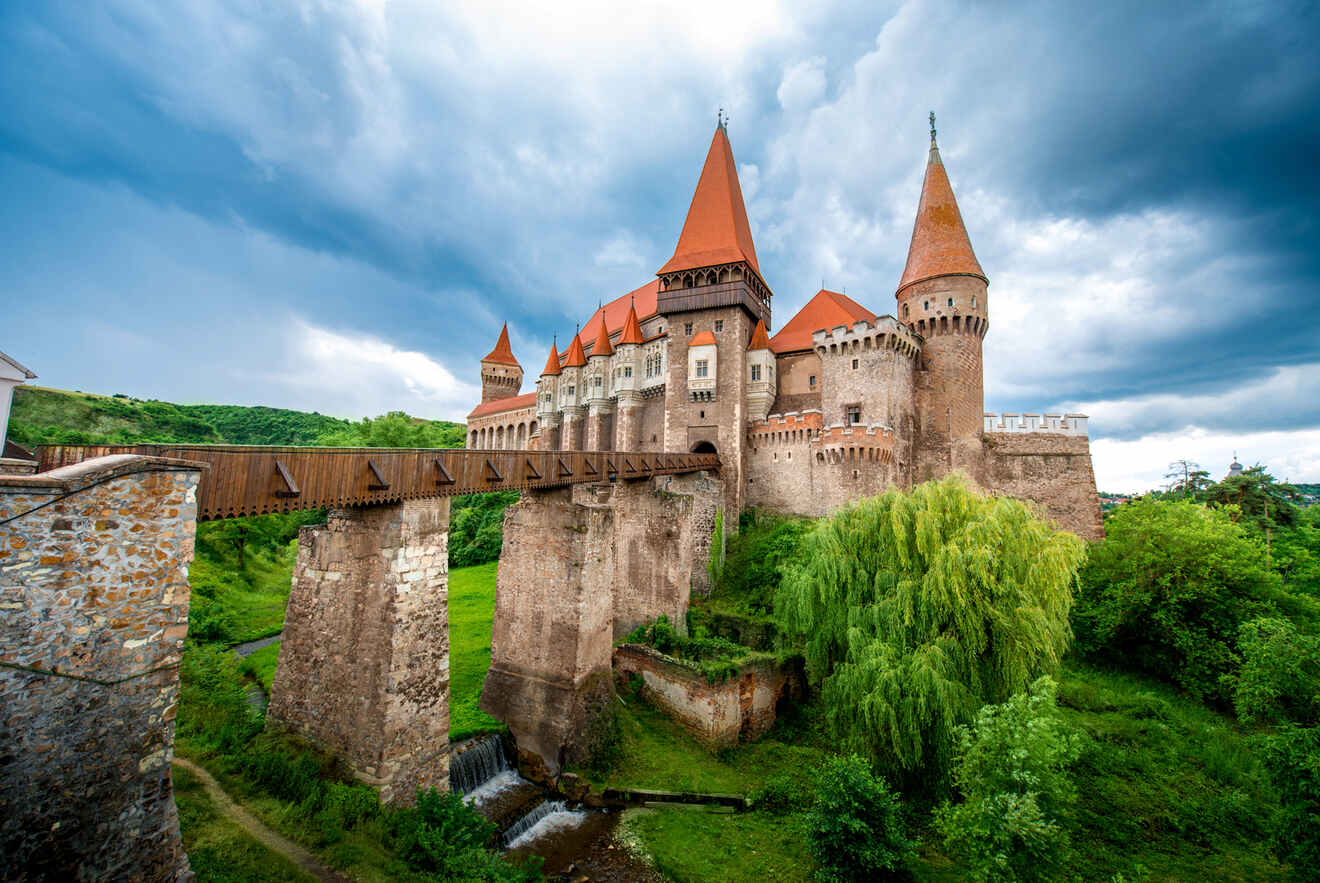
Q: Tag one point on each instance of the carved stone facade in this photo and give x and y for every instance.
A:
(856, 402)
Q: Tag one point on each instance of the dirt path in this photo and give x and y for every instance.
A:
(242, 650)
(285, 847)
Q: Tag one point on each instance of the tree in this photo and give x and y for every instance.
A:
(855, 829)
(1280, 676)
(1187, 478)
(1265, 504)
(1012, 773)
(396, 430)
(918, 608)
(1168, 589)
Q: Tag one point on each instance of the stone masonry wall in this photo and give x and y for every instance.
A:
(1052, 470)
(94, 592)
(740, 709)
(364, 664)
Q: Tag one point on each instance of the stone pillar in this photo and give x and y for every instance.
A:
(571, 434)
(94, 592)
(364, 663)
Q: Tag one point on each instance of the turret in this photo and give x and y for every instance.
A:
(942, 296)
(760, 375)
(547, 401)
(598, 366)
(501, 375)
(572, 396)
(627, 353)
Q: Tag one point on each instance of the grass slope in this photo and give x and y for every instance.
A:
(733, 848)
(471, 614)
(260, 665)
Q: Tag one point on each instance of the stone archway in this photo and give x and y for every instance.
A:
(704, 447)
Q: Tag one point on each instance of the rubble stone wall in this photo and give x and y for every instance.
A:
(364, 663)
(94, 593)
(1051, 470)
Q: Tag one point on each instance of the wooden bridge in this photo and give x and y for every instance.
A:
(247, 480)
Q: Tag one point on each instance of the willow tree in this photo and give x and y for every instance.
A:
(918, 608)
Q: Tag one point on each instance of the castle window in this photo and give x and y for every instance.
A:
(811, 381)
(906, 311)
(854, 364)
(719, 324)
(854, 414)
(756, 372)
(572, 389)
(703, 367)
(925, 305)
(973, 301)
(687, 328)
(950, 301)
(627, 370)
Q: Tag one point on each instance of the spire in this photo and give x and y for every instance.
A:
(552, 363)
(576, 357)
(760, 339)
(716, 230)
(602, 345)
(502, 352)
(940, 246)
(632, 329)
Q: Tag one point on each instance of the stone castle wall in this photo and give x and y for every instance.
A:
(94, 591)
(368, 618)
(1053, 470)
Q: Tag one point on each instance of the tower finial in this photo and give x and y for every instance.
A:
(932, 128)
(722, 120)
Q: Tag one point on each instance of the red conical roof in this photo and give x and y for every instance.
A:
(576, 357)
(940, 246)
(632, 329)
(760, 339)
(716, 230)
(502, 353)
(552, 363)
(828, 309)
(602, 345)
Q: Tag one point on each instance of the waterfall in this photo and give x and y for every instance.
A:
(551, 815)
(477, 764)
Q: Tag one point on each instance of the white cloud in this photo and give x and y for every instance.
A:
(803, 84)
(1139, 465)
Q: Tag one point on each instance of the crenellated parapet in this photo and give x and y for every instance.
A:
(1049, 424)
(850, 443)
(792, 427)
(885, 333)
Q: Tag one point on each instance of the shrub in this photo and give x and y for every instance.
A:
(445, 836)
(856, 829)
(755, 558)
(917, 608)
(1167, 591)
(1280, 676)
(214, 713)
(1011, 771)
(1292, 755)
(783, 793)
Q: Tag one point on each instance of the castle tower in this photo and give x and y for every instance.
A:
(712, 296)
(942, 297)
(600, 410)
(501, 375)
(761, 383)
(572, 396)
(547, 402)
(627, 374)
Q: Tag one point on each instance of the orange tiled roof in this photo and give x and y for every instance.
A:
(576, 357)
(716, 230)
(526, 400)
(632, 329)
(826, 310)
(552, 363)
(601, 346)
(643, 299)
(702, 339)
(502, 353)
(760, 340)
(940, 246)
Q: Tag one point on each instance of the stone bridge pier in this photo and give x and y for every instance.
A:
(580, 567)
(364, 662)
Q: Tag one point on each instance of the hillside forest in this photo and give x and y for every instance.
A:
(988, 698)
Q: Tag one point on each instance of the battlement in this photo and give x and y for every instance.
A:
(1049, 424)
(854, 443)
(885, 333)
(790, 426)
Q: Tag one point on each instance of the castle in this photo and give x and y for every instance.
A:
(838, 404)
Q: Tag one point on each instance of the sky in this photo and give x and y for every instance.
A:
(333, 206)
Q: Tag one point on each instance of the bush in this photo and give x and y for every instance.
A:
(1280, 676)
(783, 793)
(445, 836)
(214, 714)
(856, 829)
(1168, 590)
(917, 608)
(1292, 755)
(754, 560)
(1011, 771)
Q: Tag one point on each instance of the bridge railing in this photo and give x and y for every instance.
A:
(247, 480)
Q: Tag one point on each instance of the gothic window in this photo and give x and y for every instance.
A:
(907, 312)
(756, 372)
(719, 324)
(703, 368)
(687, 328)
(627, 370)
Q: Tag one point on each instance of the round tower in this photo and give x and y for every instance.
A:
(943, 298)
(501, 375)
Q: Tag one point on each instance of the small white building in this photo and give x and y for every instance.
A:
(11, 375)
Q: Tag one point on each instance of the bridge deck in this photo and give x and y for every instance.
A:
(247, 480)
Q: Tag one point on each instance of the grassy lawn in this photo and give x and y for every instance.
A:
(251, 602)
(261, 665)
(218, 849)
(739, 847)
(471, 612)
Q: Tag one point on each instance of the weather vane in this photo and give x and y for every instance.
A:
(932, 127)
(721, 120)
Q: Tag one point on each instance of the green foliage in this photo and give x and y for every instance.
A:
(1012, 774)
(260, 665)
(1256, 497)
(1292, 755)
(1296, 553)
(692, 846)
(476, 527)
(396, 430)
(1280, 676)
(784, 793)
(446, 837)
(719, 659)
(1168, 590)
(715, 566)
(755, 558)
(918, 608)
(214, 713)
(471, 612)
(856, 829)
